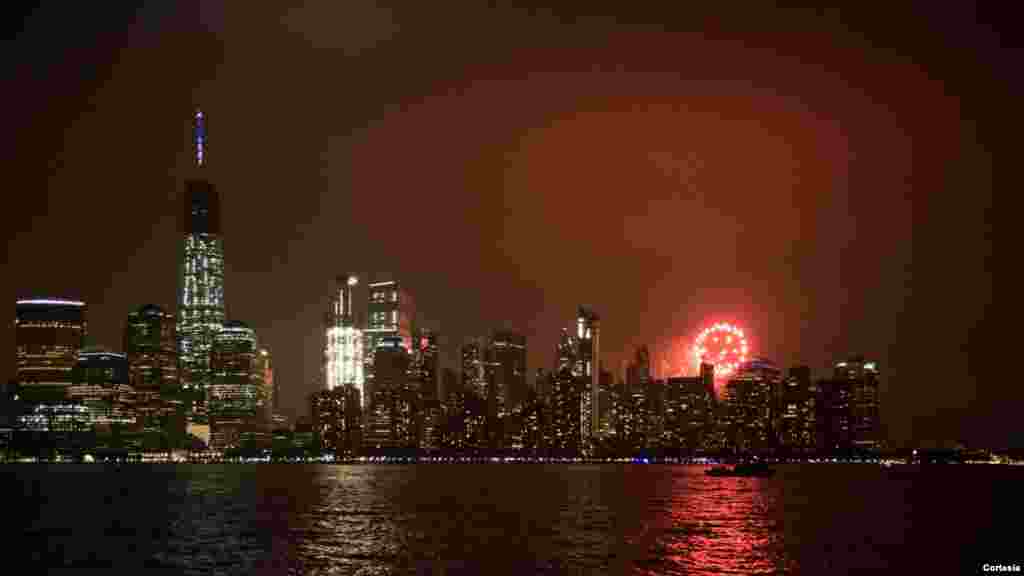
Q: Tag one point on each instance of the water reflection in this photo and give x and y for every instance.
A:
(515, 519)
(523, 520)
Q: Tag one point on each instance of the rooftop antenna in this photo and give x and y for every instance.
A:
(199, 136)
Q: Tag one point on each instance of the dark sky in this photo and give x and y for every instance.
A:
(822, 178)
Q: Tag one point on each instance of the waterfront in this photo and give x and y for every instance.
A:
(516, 519)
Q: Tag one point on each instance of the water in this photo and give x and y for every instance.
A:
(507, 519)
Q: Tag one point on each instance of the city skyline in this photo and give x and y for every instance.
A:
(839, 244)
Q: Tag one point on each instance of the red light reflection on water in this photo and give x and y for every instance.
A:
(718, 526)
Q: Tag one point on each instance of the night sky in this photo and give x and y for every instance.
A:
(823, 179)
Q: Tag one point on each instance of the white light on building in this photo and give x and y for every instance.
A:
(345, 358)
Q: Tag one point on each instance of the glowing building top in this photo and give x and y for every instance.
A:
(344, 361)
(199, 137)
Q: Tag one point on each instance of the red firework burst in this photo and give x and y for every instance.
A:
(722, 345)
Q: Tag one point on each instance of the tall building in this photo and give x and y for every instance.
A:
(474, 367)
(265, 372)
(336, 415)
(390, 315)
(234, 405)
(390, 417)
(688, 412)
(588, 335)
(152, 352)
(423, 362)
(344, 362)
(101, 384)
(508, 351)
(201, 279)
(49, 335)
(797, 415)
(565, 430)
(749, 397)
(853, 404)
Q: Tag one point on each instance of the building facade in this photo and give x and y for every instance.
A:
(236, 401)
(508, 352)
(797, 414)
(850, 406)
(750, 400)
(150, 344)
(49, 335)
(390, 312)
(101, 383)
(337, 420)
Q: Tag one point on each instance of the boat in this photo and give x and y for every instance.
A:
(752, 470)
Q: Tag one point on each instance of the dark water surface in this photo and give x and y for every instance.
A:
(507, 519)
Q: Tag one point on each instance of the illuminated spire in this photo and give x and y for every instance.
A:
(199, 136)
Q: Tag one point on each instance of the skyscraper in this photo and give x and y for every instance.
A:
(336, 419)
(152, 351)
(390, 314)
(423, 362)
(509, 353)
(101, 384)
(750, 400)
(344, 362)
(234, 392)
(474, 369)
(48, 335)
(201, 280)
(858, 379)
(265, 371)
(798, 411)
(588, 367)
(389, 417)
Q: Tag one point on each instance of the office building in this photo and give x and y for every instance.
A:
(49, 335)
(390, 422)
(850, 406)
(508, 352)
(337, 420)
(390, 313)
(265, 371)
(151, 348)
(797, 414)
(588, 336)
(100, 382)
(201, 280)
(689, 405)
(344, 361)
(749, 397)
(236, 402)
(423, 362)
